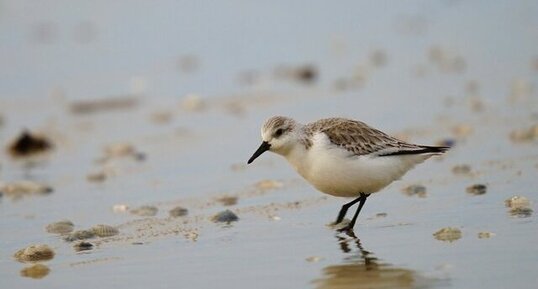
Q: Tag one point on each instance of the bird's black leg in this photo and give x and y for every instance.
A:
(350, 226)
(344, 209)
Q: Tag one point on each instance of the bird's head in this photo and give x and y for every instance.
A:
(279, 135)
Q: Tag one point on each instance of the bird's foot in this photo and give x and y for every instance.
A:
(338, 225)
(348, 230)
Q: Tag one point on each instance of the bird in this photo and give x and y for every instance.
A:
(342, 157)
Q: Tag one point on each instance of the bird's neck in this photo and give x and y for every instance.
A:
(297, 154)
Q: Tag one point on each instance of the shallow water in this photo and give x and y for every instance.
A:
(57, 55)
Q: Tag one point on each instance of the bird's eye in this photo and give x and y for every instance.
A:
(279, 132)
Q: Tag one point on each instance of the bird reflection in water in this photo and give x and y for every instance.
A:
(361, 269)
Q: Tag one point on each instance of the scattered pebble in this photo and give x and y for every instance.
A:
(520, 90)
(238, 167)
(314, 259)
(28, 144)
(226, 216)
(268, 184)
(477, 189)
(485, 235)
(305, 73)
(188, 63)
(83, 246)
(36, 271)
(447, 61)
(178, 212)
(520, 206)
(475, 103)
(461, 169)
(161, 117)
(104, 230)
(145, 211)
(119, 150)
(472, 87)
(517, 202)
(120, 208)
(378, 58)
(360, 76)
(462, 130)
(18, 189)
(193, 103)
(96, 177)
(61, 227)
(449, 234)
(103, 105)
(191, 235)
(227, 200)
(525, 135)
(79, 235)
(415, 190)
(34, 253)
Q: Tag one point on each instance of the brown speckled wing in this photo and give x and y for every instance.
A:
(357, 137)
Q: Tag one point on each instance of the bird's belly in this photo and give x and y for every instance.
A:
(350, 176)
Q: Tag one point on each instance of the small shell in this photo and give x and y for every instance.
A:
(61, 227)
(120, 208)
(478, 189)
(269, 185)
(34, 253)
(79, 235)
(525, 135)
(462, 130)
(104, 230)
(449, 234)
(96, 177)
(378, 58)
(516, 202)
(314, 259)
(225, 217)
(485, 235)
(415, 190)
(178, 212)
(119, 150)
(461, 169)
(19, 189)
(227, 200)
(36, 271)
(193, 103)
(83, 246)
(145, 211)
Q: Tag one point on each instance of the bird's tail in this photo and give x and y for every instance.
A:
(434, 149)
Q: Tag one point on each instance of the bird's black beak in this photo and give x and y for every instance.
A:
(265, 146)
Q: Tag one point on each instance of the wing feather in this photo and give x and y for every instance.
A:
(360, 139)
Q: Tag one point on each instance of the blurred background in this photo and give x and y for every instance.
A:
(160, 103)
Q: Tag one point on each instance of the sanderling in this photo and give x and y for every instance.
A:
(342, 157)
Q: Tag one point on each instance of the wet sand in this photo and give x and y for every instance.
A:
(180, 135)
